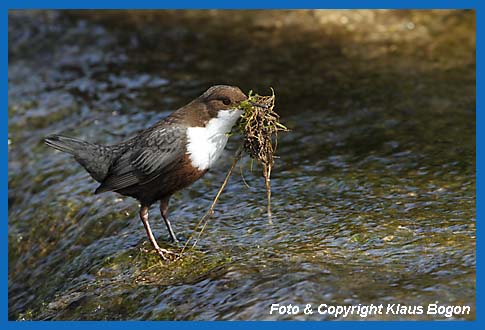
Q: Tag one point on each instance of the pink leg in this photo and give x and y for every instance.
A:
(151, 238)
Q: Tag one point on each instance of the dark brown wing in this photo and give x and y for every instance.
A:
(148, 156)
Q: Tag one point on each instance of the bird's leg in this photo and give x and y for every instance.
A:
(164, 213)
(144, 219)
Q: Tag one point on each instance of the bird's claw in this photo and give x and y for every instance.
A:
(166, 254)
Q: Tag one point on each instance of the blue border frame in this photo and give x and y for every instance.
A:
(248, 4)
(5, 5)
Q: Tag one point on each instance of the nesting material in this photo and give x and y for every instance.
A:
(260, 126)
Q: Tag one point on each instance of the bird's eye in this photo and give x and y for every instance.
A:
(226, 101)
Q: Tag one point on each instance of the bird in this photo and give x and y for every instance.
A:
(160, 160)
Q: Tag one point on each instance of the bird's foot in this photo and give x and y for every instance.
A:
(166, 254)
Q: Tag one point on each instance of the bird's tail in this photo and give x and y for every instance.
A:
(94, 158)
(66, 144)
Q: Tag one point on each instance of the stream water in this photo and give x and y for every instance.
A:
(373, 191)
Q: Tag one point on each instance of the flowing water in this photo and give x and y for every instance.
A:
(373, 193)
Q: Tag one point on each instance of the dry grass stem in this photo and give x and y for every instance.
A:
(205, 218)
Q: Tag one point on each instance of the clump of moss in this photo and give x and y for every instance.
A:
(260, 126)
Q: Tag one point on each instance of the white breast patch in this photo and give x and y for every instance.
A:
(205, 144)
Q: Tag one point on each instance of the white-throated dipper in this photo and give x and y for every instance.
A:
(162, 159)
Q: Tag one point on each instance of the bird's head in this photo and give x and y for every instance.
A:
(222, 97)
(220, 101)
